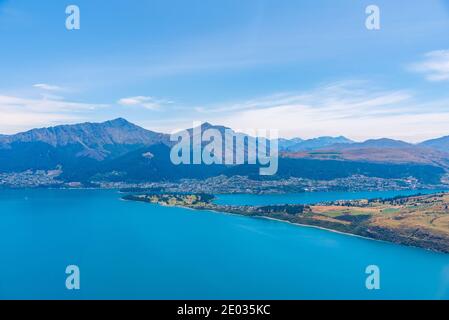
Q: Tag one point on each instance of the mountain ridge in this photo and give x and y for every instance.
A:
(119, 149)
(123, 123)
(111, 132)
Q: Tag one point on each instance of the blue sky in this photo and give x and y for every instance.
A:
(307, 68)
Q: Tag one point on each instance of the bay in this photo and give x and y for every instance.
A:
(131, 250)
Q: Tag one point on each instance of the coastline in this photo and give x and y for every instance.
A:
(296, 224)
(305, 226)
(268, 218)
(380, 234)
(304, 216)
(323, 228)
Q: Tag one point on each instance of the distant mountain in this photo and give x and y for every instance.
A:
(382, 143)
(317, 143)
(285, 144)
(248, 140)
(118, 150)
(378, 151)
(77, 148)
(441, 144)
(118, 131)
(331, 169)
(375, 143)
(91, 140)
(151, 163)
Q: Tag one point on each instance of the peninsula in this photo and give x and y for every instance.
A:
(420, 220)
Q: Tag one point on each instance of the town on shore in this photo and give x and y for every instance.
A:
(222, 184)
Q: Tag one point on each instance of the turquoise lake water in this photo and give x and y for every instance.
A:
(134, 250)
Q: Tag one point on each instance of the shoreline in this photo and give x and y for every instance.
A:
(119, 190)
(385, 235)
(303, 226)
(265, 218)
(429, 241)
(312, 227)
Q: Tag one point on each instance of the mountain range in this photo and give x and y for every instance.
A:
(118, 150)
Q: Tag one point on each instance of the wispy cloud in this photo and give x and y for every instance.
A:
(47, 87)
(19, 113)
(338, 99)
(355, 109)
(435, 66)
(44, 105)
(146, 102)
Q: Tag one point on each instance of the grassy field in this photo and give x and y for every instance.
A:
(429, 213)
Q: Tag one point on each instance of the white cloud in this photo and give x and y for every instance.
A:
(307, 122)
(45, 105)
(16, 121)
(47, 87)
(354, 109)
(149, 103)
(435, 66)
(19, 114)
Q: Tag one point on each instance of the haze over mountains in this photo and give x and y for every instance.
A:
(119, 150)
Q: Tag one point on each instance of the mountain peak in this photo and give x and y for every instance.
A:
(207, 125)
(92, 137)
(119, 122)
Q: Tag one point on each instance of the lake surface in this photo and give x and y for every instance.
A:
(135, 250)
